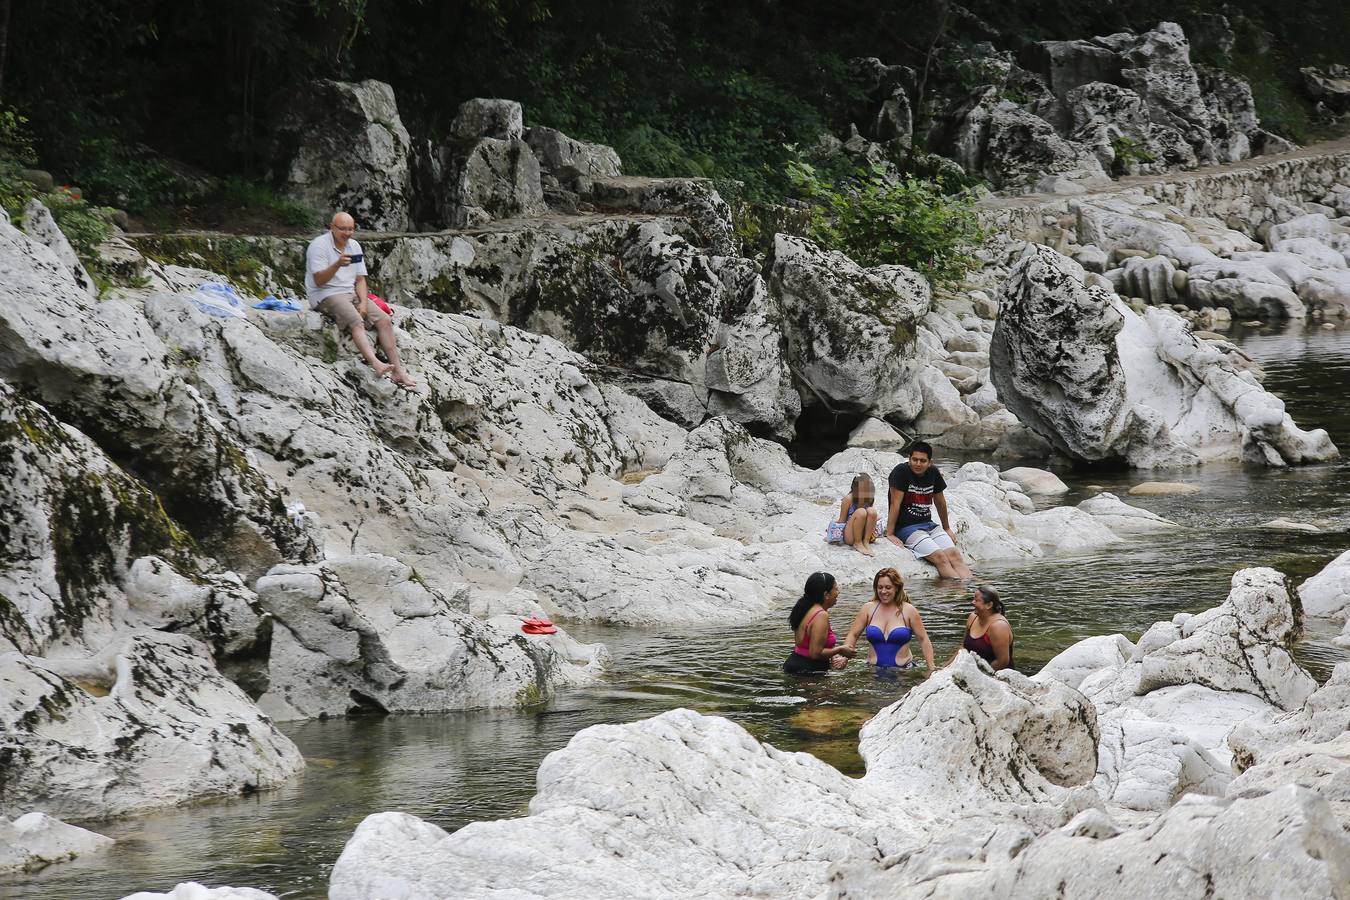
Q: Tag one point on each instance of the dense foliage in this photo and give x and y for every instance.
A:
(876, 220)
(711, 87)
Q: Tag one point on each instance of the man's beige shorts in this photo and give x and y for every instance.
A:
(342, 309)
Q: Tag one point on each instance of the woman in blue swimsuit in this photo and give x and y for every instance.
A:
(891, 623)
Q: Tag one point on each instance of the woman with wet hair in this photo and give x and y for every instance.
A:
(988, 632)
(817, 649)
(890, 622)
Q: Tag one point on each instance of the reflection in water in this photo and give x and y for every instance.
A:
(454, 769)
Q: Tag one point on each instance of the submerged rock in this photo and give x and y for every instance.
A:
(191, 890)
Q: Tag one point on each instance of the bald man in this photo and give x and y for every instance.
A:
(335, 276)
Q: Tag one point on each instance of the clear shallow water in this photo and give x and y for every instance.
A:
(459, 768)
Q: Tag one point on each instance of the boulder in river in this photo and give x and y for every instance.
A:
(1101, 382)
(1328, 592)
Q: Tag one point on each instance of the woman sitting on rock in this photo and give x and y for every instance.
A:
(994, 641)
(858, 524)
(816, 648)
(890, 622)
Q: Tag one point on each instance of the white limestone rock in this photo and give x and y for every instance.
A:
(689, 804)
(36, 840)
(343, 146)
(101, 366)
(1327, 593)
(1036, 481)
(1123, 519)
(191, 890)
(1325, 715)
(363, 633)
(1035, 738)
(147, 723)
(1121, 386)
(1285, 843)
(1238, 645)
(944, 409)
(574, 163)
(73, 522)
(850, 331)
(630, 805)
(481, 117)
(488, 179)
(41, 227)
(1072, 665)
(1323, 767)
(1023, 151)
(875, 434)
(1167, 705)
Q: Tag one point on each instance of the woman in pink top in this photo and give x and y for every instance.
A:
(817, 649)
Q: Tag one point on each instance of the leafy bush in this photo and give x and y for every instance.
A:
(877, 220)
(16, 154)
(649, 151)
(1128, 151)
(128, 175)
(84, 226)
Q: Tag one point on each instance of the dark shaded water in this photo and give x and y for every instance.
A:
(454, 769)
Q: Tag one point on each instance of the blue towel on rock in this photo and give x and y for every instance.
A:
(281, 305)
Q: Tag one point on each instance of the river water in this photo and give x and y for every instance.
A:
(454, 769)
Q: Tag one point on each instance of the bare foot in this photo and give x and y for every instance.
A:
(382, 369)
(864, 549)
(402, 377)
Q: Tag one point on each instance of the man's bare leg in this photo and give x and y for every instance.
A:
(958, 564)
(949, 564)
(384, 330)
(367, 352)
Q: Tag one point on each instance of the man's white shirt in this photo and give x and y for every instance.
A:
(321, 254)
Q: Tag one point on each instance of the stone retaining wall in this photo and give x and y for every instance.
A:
(1240, 195)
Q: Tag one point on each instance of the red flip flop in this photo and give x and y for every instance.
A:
(538, 626)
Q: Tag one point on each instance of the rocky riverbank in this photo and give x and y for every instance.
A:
(211, 524)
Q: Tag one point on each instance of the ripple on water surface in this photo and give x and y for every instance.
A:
(455, 769)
